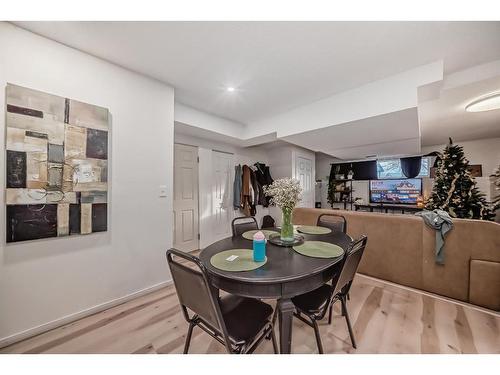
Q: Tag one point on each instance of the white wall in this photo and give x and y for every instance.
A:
(482, 151)
(241, 156)
(282, 158)
(46, 282)
(280, 161)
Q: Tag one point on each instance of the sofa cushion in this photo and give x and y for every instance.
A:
(485, 284)
(452, 278)
(394, 248)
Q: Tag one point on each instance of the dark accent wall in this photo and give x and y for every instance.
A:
(363, 170)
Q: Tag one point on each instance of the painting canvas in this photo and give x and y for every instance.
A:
(56, 165)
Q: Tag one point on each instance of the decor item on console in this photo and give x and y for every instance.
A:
(455, 189)
(350, 174)
(285, 193)
(358, 200)
(420, 201)
(57, 165)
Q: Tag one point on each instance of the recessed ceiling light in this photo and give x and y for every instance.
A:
(486, 103)
(230, 89)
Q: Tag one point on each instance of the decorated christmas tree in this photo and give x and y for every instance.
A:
(455, 189)
(496, 182)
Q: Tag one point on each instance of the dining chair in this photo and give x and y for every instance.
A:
(333, 221)
(268, 222)
(238, 323)
(242, 224)
(313, 306)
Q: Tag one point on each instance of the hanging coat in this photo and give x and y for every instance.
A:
(246, 191)
(264, 178)
(237, 187)
(255, 188)
(267, 176)
(260, 197)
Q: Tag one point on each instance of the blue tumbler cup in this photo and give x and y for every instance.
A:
(259, 247)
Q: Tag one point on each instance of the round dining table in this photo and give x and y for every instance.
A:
(285, 275)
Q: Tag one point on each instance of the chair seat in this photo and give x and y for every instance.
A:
(244, 317)
(315, 301)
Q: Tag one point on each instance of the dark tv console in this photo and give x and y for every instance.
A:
(385, 207)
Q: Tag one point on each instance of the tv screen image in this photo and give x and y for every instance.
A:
(404, 191)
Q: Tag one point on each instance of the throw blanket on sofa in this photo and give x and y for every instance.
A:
(441, 222)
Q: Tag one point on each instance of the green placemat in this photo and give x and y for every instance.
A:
(310, 229)
(319, 249)
(235, 260)
(249, 233)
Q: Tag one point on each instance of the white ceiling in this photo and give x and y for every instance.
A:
(275, 66)
(446, 117)
(395, 133)
(197, 132)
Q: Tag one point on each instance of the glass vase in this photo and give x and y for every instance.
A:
(286, 226)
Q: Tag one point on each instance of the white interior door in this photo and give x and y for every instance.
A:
(222, 168)
(186, 198)
(304, 173)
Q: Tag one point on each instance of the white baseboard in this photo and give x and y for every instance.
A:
(16, 337)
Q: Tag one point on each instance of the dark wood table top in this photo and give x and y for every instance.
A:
(283, 264)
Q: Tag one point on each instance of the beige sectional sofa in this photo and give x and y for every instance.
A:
(401, 249)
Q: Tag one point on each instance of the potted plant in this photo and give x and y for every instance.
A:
(285, 193)
(332, 189)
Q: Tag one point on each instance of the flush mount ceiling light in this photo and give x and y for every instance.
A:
(230, 89)
(486, 103)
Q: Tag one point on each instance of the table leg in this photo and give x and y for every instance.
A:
(286, 309)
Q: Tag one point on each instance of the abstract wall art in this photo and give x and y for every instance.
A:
(56, 166)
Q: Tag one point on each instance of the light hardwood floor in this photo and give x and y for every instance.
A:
(387, 319)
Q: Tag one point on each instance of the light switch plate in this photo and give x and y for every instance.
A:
(163, 191)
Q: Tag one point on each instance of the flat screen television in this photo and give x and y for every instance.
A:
(403, 191)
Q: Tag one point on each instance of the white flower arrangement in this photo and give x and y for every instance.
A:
(284, 192)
